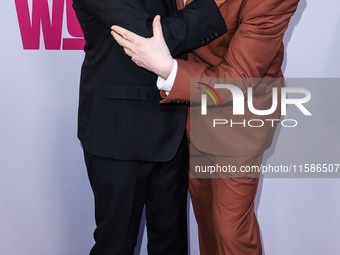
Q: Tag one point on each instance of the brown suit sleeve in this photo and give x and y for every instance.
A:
(255, 51)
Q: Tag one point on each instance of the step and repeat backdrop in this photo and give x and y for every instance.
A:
(46, 204)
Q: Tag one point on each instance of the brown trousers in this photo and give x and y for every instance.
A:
(224, 208)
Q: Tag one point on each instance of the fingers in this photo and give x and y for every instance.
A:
(126, 34)
(127, 45)
(128, 52)
(127, 49)
(133, 57)
(121, 40)
(157, 27)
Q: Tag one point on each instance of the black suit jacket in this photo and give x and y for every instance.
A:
(119, 112)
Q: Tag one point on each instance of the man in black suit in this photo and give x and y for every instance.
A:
(135, 149)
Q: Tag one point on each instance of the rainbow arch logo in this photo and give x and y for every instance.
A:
(209, 93)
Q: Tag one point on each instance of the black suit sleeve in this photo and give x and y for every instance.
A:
(196, 25)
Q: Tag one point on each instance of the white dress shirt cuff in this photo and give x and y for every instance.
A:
(167, 84)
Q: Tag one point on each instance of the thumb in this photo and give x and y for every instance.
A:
(157, 27)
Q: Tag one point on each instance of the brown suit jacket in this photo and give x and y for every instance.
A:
(252, 48)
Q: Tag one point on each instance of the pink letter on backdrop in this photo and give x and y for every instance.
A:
(30, 32)
(73, 29)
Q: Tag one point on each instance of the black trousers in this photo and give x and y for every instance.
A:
(122, 188)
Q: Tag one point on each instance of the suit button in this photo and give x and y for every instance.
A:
(215, 34)
(207, 39)
(203, 41)
(212, 37)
